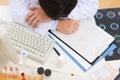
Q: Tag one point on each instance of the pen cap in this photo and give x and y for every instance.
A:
(61, 61)
(61, 58)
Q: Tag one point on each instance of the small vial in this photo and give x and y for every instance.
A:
(16, 71)
(40, 70)
(11, 72)
(5, 68)
(6, 71)
(48, 73)
(23, 76)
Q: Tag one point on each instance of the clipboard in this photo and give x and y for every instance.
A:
(79, 59)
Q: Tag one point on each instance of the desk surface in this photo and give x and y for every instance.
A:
(4, 2)
(109, 4)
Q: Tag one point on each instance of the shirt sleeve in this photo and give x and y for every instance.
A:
(84, 9)
(20, 8)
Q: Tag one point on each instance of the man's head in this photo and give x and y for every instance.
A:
(56, 9)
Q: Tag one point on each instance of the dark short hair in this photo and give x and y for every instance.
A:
(56, 9)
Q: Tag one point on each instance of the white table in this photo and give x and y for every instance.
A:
(69, 66)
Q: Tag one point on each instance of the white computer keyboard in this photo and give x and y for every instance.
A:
(37, 47)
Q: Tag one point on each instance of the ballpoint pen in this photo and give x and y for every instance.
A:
(56, 51)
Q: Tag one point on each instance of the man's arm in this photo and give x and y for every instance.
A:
(67, 26)
(84, 9)
(37, 16)
(20, 9)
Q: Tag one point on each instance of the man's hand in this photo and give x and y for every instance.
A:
(68, 26)
(36, 17)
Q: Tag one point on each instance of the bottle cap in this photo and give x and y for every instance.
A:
(48, 72)
(40, 70)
